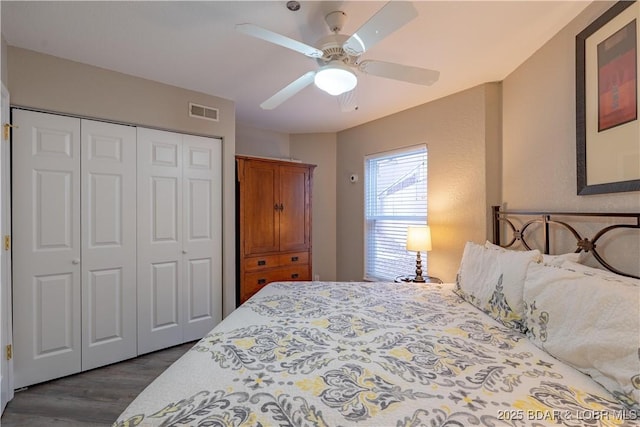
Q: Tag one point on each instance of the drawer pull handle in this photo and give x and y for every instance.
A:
(262, 281)
(262, 262)
(294, 258)
(295, 275)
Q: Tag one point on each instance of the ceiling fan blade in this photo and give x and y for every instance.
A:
(288, 91)
(406, 73)
(279, 39)
(392, 16)
(348, 101)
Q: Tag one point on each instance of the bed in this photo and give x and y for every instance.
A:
(500, 347)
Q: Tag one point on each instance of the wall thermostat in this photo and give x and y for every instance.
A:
(353, 177)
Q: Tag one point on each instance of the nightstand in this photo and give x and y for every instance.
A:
(406, 278)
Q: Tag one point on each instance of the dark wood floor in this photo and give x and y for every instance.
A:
(93, 398)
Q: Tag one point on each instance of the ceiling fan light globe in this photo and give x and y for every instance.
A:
(335, 79)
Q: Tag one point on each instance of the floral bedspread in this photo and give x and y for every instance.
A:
(375, 354)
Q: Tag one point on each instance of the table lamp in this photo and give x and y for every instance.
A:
(419, 239)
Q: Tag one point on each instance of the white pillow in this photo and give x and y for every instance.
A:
(493, 281)
(589, 322)
(489, 245)
(557, 260)
(591, 271)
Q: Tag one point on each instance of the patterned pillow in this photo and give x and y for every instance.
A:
(493, 281)
(590, 322)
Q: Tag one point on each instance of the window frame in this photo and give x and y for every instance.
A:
(419, 220)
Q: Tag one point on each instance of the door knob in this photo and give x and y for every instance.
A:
(75, 261)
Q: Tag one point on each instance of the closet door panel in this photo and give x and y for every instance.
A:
(202, 245)
(46, 246)
(159, 229)
(164, 291)
(109, 328)
(164, 206)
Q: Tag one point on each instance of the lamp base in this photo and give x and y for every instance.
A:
(418, 278)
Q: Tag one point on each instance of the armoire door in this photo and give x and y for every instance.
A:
(108, 218)
(295, 219)
(46, 246)
(202, 232)
(261, 216)
(159, 239)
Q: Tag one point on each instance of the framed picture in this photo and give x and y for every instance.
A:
(607, 126)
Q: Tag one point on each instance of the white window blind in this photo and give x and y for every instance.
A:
(395, 197)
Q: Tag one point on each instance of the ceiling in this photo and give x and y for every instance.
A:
(194, 45)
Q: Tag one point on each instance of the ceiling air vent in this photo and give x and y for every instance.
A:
(203, 112)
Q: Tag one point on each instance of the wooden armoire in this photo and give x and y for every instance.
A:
(274, 223)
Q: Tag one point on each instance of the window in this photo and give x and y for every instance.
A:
(395, 197)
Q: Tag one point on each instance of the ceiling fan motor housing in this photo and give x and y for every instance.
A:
(331, 47)
(335, 20)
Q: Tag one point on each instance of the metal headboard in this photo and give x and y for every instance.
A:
(631, 220)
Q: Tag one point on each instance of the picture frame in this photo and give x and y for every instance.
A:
(607, 125)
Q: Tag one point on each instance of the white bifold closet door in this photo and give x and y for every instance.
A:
(108, 218)
(46, 247)
(179, 238)
(73, 286)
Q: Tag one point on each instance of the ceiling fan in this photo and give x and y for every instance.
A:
(338, 55)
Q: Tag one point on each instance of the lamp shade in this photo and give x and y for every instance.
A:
(419, 238)
(335, 78)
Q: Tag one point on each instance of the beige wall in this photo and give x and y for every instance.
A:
(58, 85)
(493, 149)
(539, 131)
(262, 143)
(320, 149)
(460, 189)
(4, 75)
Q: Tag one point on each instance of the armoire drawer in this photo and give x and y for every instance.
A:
(291, 259)
(257, 263)
(255, 281)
